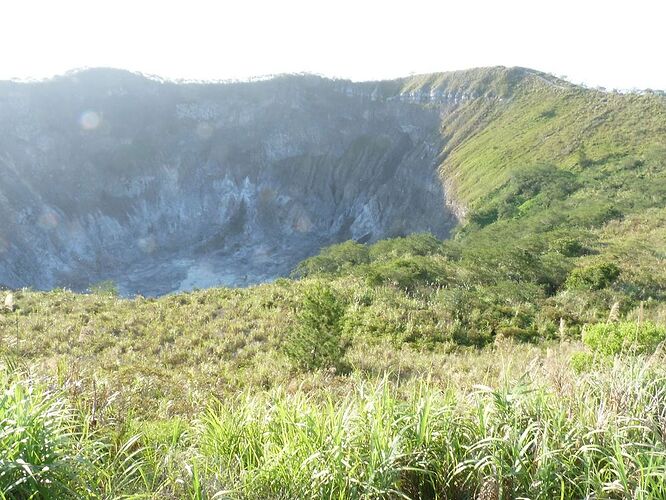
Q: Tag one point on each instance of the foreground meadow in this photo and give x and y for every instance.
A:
(195, 396)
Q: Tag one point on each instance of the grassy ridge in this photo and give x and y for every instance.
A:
(544, 122)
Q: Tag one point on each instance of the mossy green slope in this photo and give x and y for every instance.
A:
(543, 120)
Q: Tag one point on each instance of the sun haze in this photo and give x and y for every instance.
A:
(594, 42)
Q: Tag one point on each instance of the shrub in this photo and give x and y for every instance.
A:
(407, 272)
(414, 244)
(523, 260)
(317, 341)
(334, 259)
(594, 277)
(582, 362)
(396, 317)
(484, 217)
(569, 247)
(517, 333)
(596, 213)
(107, 287)
(616, 338)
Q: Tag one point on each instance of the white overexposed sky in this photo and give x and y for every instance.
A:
(616, 44)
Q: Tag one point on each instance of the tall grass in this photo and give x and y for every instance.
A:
(550, 434)
(49, 450)
(39, 447)
(602, 436)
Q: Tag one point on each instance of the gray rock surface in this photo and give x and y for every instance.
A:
(164, 186)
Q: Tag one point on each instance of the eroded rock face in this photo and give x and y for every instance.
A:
(163, 186)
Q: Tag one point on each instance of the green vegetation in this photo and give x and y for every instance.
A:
(107, 287)
(616, 338)
(536, 428)
(595, 277)
(48, 449)
(514, 441)
(317, 340)
(522, 358)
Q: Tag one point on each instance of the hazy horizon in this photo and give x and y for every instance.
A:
(255, 78)
(594, 43)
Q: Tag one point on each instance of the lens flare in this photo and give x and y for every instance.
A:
(48, 220)
(147, 244)
(90, 120)
(303, 224)
(204, 130)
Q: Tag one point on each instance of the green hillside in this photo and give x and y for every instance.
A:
(583, 131)
(522, 358)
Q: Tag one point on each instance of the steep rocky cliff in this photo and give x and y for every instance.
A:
(164, 186)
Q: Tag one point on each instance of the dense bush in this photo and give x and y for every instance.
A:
(334, 259)
(484, 216)
(478, 316)
(582, 362)
(594, 277)
(407, 273)
(616, 338)
(569, 247)
(526, 261)
(392, 315)
(414, 244)
(351, 256)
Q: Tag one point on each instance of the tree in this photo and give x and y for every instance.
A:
(317, 341)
